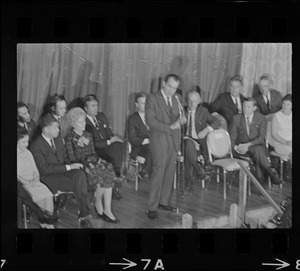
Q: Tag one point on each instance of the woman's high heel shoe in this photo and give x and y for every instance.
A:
(99, 215)
(107, 219)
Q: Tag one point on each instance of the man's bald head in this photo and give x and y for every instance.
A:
(193, 99)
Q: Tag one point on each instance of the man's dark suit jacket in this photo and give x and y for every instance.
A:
(31, 129)
(159, 118)
(100, 137)
(276, 102)
(137, 132)
(202, 119)
(224, 106)
(257, 132)
(47, 160)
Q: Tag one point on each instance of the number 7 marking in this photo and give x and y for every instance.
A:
(146, 260)
(2, 262)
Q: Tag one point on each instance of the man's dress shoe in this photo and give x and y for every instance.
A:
(152, 215)
(275, 179)
(85, 224)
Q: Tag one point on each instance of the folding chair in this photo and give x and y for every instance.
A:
(219, 148)
(136, 164)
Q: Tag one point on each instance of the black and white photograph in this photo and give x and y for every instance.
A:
(154, 135)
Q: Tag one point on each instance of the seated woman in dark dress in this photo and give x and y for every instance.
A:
(80, 149)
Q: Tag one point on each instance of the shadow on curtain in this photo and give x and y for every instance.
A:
(115, 72)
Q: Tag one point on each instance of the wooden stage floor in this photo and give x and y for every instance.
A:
(200, 204)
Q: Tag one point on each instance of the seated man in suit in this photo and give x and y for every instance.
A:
(269, 100)
(58, 108)
(247, 132)
(107, 146)
(138, 134)
(230, 103)
(199, 123)
(24, 120)
(55, 170)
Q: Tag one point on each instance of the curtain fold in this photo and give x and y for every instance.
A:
(272, 58)
(115, 72)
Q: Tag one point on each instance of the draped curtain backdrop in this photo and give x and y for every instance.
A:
(115, 72)
(272, 58)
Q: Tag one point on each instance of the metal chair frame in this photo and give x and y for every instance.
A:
(221, 157)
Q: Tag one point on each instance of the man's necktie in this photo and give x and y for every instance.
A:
(144, 121)
(96, 123)
(268, 102)
(169, 102)
(26, 126)
(52, 144)
(236, 103)
(97, 126)
(190, 124)
(248, 125)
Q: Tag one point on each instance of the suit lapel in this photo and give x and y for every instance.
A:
(101, 127)
(254, 122)
(263, 104)
(272, 97)
(47, 146)
(244, 124)
(230, 101)
(141, 123)
(197, 118)
(58, 152)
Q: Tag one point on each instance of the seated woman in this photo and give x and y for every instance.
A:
(80, 149)
(282, 128)
(28, 175)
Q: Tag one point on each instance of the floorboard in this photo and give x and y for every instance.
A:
(200, 204)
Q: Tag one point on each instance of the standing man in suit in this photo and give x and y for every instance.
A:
(163, 118)
(269, 100)
(107, 146)
(58, 108)
(24, 120)
(55, 170)
(138, 134)
(230, 103)
(199, 123)
(247, 132)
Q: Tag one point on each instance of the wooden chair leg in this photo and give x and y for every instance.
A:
(175, 178)
(281, 172)
(218, 175)
(249, 186)
(25, 216)
(225, 184)
(136, 175)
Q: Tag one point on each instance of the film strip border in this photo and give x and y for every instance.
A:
(163, 21)
(150, 22)
(169, 250)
